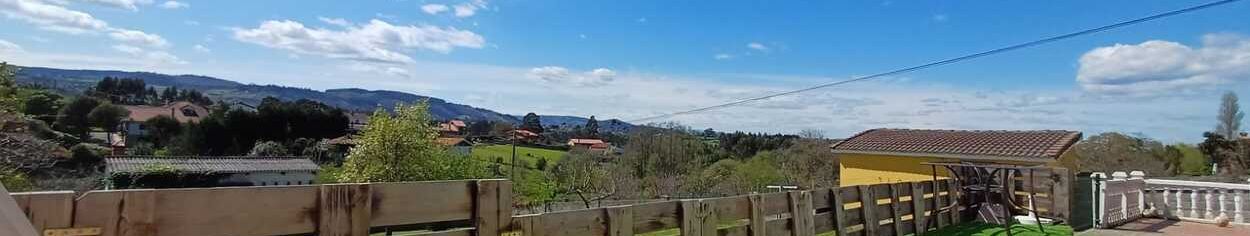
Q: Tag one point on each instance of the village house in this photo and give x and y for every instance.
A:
(459, 146)
(219, 171)
(524, 136)
(897, 155)
(592, 145)
(133, 127)
(452, 128)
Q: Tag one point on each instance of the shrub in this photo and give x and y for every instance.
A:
(268, 149)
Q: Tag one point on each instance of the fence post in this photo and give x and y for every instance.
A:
(758, 222)
(620, 221)
(896, 212)
(917, 207)
(1061, 194)
(492, 206)
(839, 211)
(691, 225)
(345, 209)
(868, 208)
(1100, 198)
(801, 213)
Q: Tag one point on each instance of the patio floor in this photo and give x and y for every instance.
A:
(1151, 226)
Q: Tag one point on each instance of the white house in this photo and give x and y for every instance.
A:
(183, 112)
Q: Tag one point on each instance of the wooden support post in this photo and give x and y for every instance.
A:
(896, 211)
(12, 222)
(707, 212)
(492, 206)
(917, 207)
(345, 209)
(1060, 194)
(802, 214)
(868, 208)
(954, 191)
(839, 211)
(1006, 198)
(691, 224)
(758, 222)
(620, 221)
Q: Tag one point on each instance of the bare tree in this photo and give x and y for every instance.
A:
(1230, 116)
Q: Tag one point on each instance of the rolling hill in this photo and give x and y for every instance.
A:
(74, 81)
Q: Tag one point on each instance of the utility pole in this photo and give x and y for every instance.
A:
(513, 172)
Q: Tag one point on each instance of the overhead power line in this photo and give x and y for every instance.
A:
(948, 61)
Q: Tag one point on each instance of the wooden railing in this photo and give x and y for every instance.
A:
(484, 207)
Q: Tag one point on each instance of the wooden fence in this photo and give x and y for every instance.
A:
(1051, 188)
(484, 207)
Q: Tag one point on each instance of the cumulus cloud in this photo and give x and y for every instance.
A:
(469, 8)
(722, 56)
(759, 47)
(201, 49)
(132, 5)
(1163, 66)
(174, 5)
(561, 75)
(6, 46)
(152, 57)
(434, 9)
(377, 41)
(335, 21)
(51, 17)
(139, 37)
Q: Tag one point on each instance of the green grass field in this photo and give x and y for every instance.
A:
(527, 155)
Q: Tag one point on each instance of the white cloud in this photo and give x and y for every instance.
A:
(9, 47)
(335, 21)
(377, 41)
(723, 56)
(1157, 66)
(153, 57)
(562, 76)
(139, 37)
(201, 49)
(759, 47)
(388, 70)
(434, 9)
(51, 17)
(469, 8)
(132, 5)
(174, 5)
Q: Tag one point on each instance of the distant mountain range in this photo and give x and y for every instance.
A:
(75, 81)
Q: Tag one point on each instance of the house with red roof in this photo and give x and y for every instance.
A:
(184, 112)
(898, 155)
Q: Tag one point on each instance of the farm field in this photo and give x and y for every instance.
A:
(527, 156)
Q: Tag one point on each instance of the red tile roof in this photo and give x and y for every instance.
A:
(451, 141)
(1030, 145)
(583, 141)
(180, 111)
(457, 123)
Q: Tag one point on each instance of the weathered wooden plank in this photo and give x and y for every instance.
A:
(917, 206)
(274, 210)
(576, 223)
(953, 195)
(649, 217)
(707, 214)
(450, 232)
(620, 221)
(758, 226)
(421, 202)
(138, 215)
(528, 224)
(47, 210)
(691, 223)
(1061, 193)
(100, 209)
(344, 209)
(731, 208)
(838, 209)
(937, 203)
(802, 213)
(868, 209)
(12, 222)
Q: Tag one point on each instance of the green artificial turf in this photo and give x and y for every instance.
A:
(984, 229)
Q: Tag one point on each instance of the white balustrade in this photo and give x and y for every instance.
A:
(1205, 201)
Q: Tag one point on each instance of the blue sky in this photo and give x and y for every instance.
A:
(632, 59)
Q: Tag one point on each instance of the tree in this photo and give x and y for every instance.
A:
(42, 105)
(162, 129)
(73, 117)
(268, 149)
(403, 148)
(532, 123)
(1230, 116)
(107, 116)
(1110, 152)
(8, 89)
(592, 127)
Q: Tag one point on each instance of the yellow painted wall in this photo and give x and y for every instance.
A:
(865, 169)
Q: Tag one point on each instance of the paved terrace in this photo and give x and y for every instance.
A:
(1152, 226)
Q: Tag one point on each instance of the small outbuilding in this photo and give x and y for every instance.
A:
(896, 155)
(196, 171)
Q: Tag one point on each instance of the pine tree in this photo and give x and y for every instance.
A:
(1230, 116)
